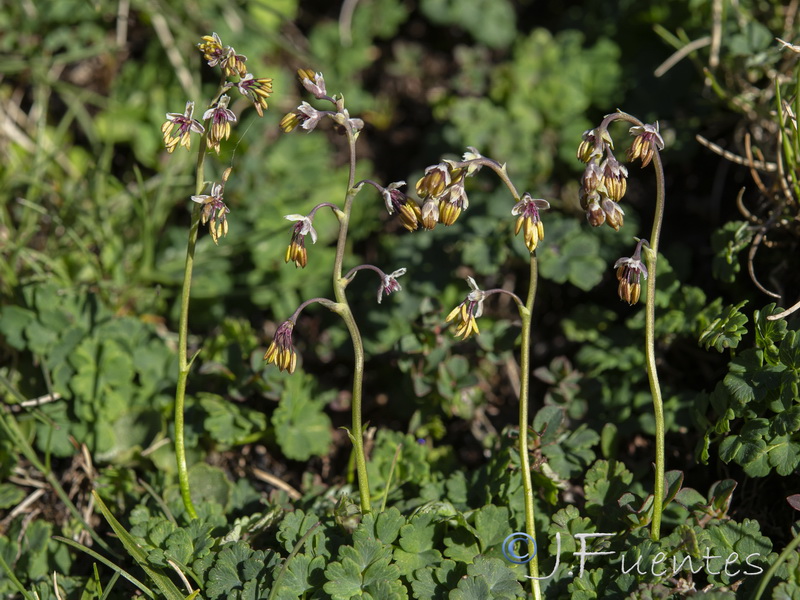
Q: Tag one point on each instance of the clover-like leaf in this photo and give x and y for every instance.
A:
(417, 545)
(302, 429)
(605, 482)
(344, 579)
(726, 330)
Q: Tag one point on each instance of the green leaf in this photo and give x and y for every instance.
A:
(493, 524)
(304, 574)
(13, 322)
(786, 422)
(417, 545)
(605, 482)
(210, 484)
(461, 545)
(237, 570)
(727, 242)
(302, 429)
(790, 350)
(163, 582)
(726, 330)
(571, 255)
(501, 580)
(388, 525)
(490, 22)
(10, 495)
(567, 522)
(471, 589)
(784, 455)
(295, 525)
(231, 424)
(769, 333)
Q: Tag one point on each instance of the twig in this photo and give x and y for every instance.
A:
(748, 150)
(767, 167)
(173, 54)
(785, 313)
(680, 54)
(278, 483)
(346, 22)
(716, 33)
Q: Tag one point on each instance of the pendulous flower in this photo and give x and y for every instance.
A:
(221, 118)
(454, 200)
(257, 90)
(429, 213)
(615, 177)
(397, 202)
(186, 125)
(281, 351)
(214, 210)
(434, 182)
(647, 140)
(224, 56)
(306, 116)
(593, 144)
(613, 212)
(469, 310)
(313, 82)
(389, 284)
(297, 247)
(528, 219)
(630, 272)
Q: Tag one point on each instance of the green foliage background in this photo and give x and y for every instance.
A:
(93, 225)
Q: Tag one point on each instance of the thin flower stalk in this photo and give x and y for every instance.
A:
(526, 210)
(308, 118)
(646, 147)
(343, 310)
(184, 363)
(207, 208)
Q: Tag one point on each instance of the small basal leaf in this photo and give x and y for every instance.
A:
(344, 579)
(502, 582)
(471, 588)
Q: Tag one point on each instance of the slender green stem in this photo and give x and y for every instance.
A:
(524, 392)
(651, 256)
(297, 547)
(762, 586)
(344, 311)
(526, 313)
(184, 363)
(5, 568)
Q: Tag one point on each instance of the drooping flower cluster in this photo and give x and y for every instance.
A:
(389, 283)
(604, 180)
(281, 351)
(257, 90)
(630, 272)
(214, 210)
(186, 125)
(297, 247)
(308, 117)
(220, 117)
(224, 56)
(646, 141)
(397, 202)
(528, 219)
(442, 192)
(470, 309)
